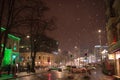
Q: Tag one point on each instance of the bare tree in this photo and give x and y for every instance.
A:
(10, 4)
(1, 16)
(29, 15)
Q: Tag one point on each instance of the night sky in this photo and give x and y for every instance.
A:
(77, 22)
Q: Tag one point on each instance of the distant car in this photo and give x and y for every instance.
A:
(76, 70)
(79, 70)
(63, 68)
(69, 68)
(83, 69)
(54, 68)
(72, 68)
(91, 68)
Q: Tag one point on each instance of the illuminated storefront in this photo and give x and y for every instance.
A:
(113, 33)
(42, 59)
(115, 56)
(117, 63)
(11, 54)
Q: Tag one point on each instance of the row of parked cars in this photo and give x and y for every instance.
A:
(73, 69)
(83, 69)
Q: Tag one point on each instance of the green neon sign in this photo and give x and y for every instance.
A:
(13, 37)
(7, 57)
(2, 45)
(10, 35)
(2, 29)
(15, 48)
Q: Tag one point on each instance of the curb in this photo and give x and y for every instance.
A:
(21, 76)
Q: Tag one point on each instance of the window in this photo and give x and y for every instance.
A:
(28, 57)
(39, 57)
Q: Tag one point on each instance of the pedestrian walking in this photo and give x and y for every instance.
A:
(28, 67)
(9, 69)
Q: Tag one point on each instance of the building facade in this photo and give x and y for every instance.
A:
(42, 59)
(11, 54)
(100, 52)
(113, 33)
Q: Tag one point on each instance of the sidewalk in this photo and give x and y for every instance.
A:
(21, 74)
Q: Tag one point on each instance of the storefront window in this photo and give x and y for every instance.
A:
(111, 56)
(118, 55)
(119, 67)
(118, 62)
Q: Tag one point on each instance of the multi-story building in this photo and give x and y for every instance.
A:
(45, 49)
(42, 59)
(11, 54)
(113, 32)
(100, 52)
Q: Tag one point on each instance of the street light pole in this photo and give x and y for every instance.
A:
(100, 42)
(99, 31)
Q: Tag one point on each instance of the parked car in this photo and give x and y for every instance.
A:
(63, 68)
(91, 68)
(69, 68)
(83, 69)
(72, 68)
(79, 70)
(76, 70)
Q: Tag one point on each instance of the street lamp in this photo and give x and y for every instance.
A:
(28, 36)
(59, 50)
(100, 42)
(99, 31)
(75, 47)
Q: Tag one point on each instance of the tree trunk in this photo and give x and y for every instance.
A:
(9, 21)
(33, 62)
(2, 2)
(34, 56)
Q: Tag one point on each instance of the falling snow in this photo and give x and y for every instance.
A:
(77, 18)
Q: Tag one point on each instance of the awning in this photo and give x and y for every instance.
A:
(114, 47)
